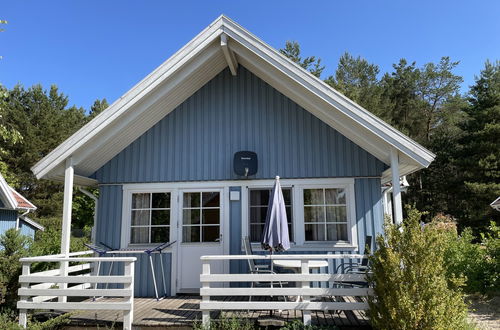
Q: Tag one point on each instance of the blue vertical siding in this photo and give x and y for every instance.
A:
(197, 140)
(26, 229)
(108, 231)
(7, 220)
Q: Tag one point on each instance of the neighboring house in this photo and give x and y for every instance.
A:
(13, 211)
(162, 157)
(496, 204)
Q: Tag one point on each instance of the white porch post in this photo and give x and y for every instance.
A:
(66, 223)
(396, 189)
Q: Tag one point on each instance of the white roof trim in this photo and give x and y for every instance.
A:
(32, 223)
(350, 119)
(5, 194)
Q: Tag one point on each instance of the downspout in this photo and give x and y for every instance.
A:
(96, 202)
(17, 219)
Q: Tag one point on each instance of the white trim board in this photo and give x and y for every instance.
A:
(194, 65)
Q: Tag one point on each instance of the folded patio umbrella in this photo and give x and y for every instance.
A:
(275, 235)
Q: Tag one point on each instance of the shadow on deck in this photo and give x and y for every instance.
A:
(183, 311)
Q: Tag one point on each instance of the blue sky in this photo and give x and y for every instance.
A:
(99, 49)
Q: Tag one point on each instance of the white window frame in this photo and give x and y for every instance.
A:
(350, 211)
(220, 208)
(127, 216)
(298, 185)
(247, 206)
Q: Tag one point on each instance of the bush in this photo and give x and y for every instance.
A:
(477, 264)
(8, 322)
(14, 246)
(411, 288)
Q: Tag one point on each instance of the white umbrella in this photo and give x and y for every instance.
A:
(275, 236)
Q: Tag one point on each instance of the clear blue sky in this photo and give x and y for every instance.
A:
(99, 49)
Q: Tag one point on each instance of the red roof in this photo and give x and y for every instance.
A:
(22, 202)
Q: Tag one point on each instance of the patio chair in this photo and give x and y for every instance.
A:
(362, 267)
(257, 269)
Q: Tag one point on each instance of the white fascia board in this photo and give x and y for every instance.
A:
(369, 121)
(32, 223)
(7, 198)
(124, 103)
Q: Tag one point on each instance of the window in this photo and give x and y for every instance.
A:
(325, 214)
(259, 200)
(201, 217)
(150, 218)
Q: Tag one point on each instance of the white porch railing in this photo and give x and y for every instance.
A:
(303, 279)
(39, 289)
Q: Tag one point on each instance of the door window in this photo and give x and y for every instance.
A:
(201, 217)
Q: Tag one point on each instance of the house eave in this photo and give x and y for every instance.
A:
(350, 119)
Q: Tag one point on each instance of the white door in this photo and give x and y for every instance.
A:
(200, 233)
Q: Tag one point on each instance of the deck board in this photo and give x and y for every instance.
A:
(182, 311)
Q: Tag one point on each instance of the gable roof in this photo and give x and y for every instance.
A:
(223, 43)
(12, 199)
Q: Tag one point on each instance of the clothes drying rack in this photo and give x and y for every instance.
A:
(102, 251)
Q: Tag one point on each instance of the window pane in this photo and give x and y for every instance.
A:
(161, 201)
(314, 214)
(258, 214)
(190, 217)
(336, 232)
(211, 216)
(160, 217)
(315, 232)
(256, 232)
(335, 196)
(287, 195)
(288, 213)
(259, 197)
(140, 201)
(211, 199)
(140, 218)
(190, 234)
(192, 199)
(139, 235)
(313, 197)
(210, 233)
(336, 214)
(160, 234)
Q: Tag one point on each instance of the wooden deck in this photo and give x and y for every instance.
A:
(182, 311)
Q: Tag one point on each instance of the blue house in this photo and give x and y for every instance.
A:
(163, 156)
(14, 209)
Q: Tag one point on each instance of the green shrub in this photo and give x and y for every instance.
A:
(411, 288)
(476, 263)
(13, 246)
(8, 321)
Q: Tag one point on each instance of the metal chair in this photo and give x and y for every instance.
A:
(257, 269)
(362, 267)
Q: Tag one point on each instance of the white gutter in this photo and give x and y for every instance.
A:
(96, 202)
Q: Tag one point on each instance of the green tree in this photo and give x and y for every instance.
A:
(97, 108)
(357, 79)
(437, 84)
(44, 120)
(478, 157)
(310, 63)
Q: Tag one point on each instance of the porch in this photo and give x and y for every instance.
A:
(184, 311)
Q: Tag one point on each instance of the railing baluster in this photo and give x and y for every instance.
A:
(304, 269)
(23, 315)
(205, 298)
(128, 316)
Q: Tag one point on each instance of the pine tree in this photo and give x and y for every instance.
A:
(479, 155)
